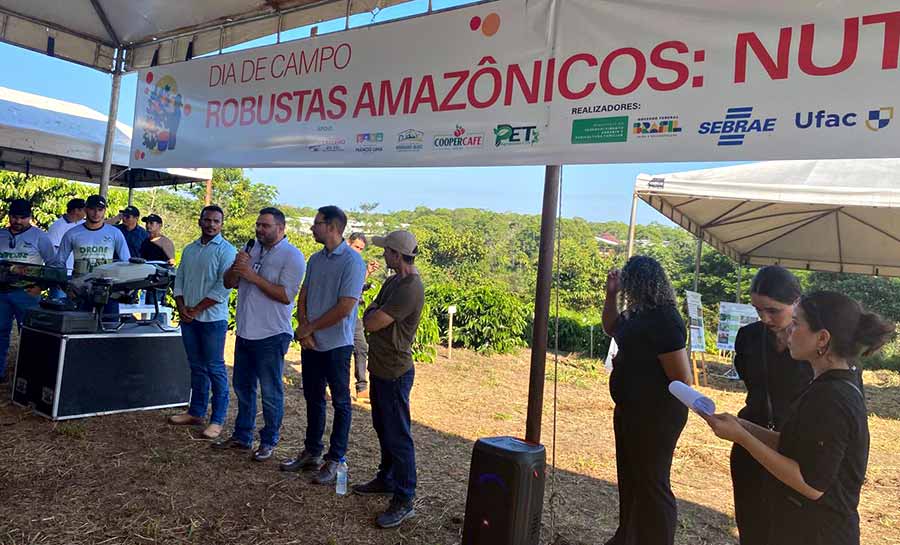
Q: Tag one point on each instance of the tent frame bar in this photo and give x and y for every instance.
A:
(786, 233)
(769, 230)
(105, 20)
(778, 215)
(724, 214)
(870, 226)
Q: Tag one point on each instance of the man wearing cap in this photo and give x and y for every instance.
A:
(22, 243)
(134, 234)
(93, 242)
(326, 314)
(391, 321)
(157, 247)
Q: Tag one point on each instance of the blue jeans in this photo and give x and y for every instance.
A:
(204, 343)
(262, 361)
(13, 305)
(390, 417)
(331, 367)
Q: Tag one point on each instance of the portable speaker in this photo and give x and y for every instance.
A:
(506, 493)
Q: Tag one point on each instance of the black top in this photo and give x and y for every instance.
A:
(152, 251)
(767, 372)
(637, 375)
(826, 432)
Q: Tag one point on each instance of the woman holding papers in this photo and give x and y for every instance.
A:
(820, 455)
(773, 379)
(647, 420)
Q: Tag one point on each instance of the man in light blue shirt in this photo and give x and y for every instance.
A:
(326, 311)
(267, 275)
(202, 302)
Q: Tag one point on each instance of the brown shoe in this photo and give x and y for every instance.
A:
(184, 419)
(213, 431)
(363, 396)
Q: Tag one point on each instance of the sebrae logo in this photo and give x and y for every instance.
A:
(162, 115)
(738, 123)
(460, 139)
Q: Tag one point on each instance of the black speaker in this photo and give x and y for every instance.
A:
(506, 493)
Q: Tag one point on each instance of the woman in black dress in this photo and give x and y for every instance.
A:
(647, 420)
(773, 379)
(819, 458)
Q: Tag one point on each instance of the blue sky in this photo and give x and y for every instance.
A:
(594, 192)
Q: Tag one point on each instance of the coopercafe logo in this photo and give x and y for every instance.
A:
(460, 139)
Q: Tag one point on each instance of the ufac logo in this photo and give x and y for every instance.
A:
(162, 115)
(460, 139)
(410, 140)
(509, 135)
(738, 123)
(823, 119)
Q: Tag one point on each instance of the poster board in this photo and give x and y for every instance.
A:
(732, 317)
(695, 315)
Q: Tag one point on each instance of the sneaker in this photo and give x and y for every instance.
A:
(375, 487)
(303, 462)
(263, 453)
(327, 473)
(395, 514)
(231, 442)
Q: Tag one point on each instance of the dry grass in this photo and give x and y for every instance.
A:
(132, 479)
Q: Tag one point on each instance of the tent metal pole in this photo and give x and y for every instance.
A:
(630, 249)
(111, 123)
(208, 199)
(542, 305)
(737, 292)
(130, 194)
(697, 261)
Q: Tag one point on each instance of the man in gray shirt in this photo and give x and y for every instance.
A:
(267, 275)
(20, 243)
(326, 312)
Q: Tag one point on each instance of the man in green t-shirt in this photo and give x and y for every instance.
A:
(391, 321)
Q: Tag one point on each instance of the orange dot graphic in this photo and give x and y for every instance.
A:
(187, 109)
(491, 24)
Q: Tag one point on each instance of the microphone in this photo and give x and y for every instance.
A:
(249, 245)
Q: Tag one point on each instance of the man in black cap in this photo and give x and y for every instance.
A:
(157, 247)
(134, 234)
(93, 242)
(22, 243)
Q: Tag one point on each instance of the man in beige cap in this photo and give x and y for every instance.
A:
(391, 321)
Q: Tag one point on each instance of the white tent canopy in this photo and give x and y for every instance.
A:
(41, 135)
(89, 32)
(829, 215)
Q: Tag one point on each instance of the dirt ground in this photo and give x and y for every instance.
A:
(132, 479)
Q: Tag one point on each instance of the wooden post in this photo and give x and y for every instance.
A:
(451, 310)
(208, 200)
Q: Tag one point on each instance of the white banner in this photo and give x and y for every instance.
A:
(517, 82)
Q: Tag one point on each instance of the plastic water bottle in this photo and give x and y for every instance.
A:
(340, 482)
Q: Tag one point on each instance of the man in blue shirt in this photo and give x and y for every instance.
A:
(267, 275)
(134, 234)
(202, 302)
(21, 243)
(326, 312)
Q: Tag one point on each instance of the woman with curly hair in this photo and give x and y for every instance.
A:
(820, 454)
(647, 420)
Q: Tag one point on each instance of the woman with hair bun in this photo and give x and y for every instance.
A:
(647, 420)
(820, 455)
(773, 380)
